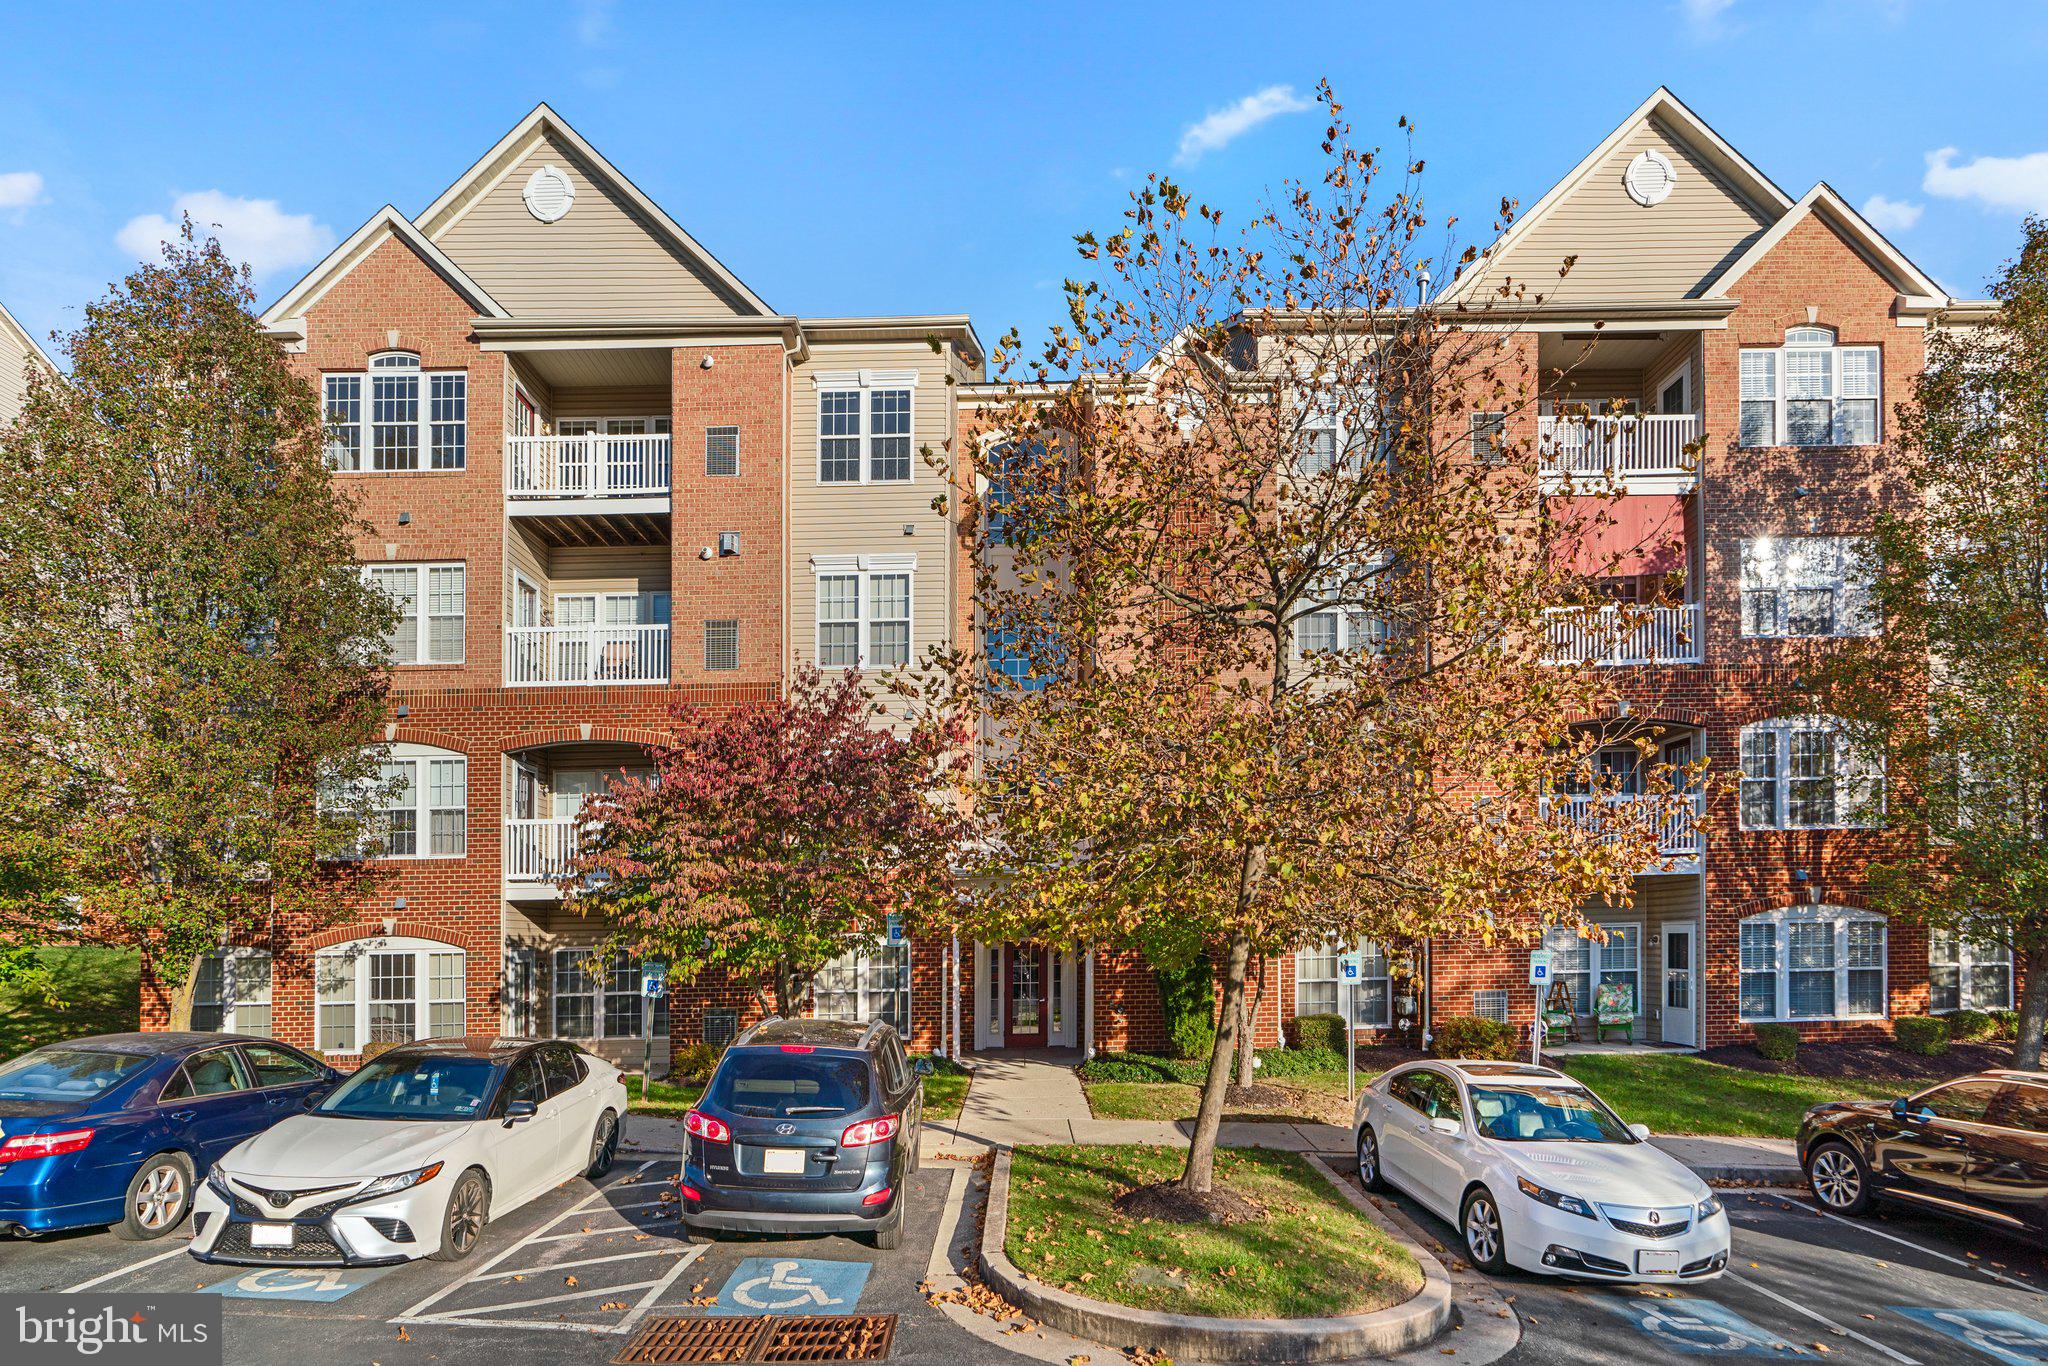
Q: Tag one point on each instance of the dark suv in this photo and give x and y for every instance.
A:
(807, 1126)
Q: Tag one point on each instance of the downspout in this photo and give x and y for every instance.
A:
(1428, 990)
(1088, 1011)
(953, 1002)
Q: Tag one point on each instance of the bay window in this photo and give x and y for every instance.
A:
(1810, 392)
(1967, 974)
(415, 418)
(868, 982)
(1813, 963)
(864, 427)
(431, 601)
(388, 990)
(1807, 774)
(1806, 586)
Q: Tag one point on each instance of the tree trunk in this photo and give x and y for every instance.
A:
(183, 995)
(1200, 1174)
(1247, 1035)
(2026, 1053)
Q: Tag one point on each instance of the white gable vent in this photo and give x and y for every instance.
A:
(1649, 178)
(548, 194)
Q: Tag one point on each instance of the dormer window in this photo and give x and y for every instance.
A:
(1810, 392)
(416, 419)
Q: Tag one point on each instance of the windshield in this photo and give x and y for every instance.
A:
(789, 1085)
(65, 1075)
(414, 1088)
(1545, 1114)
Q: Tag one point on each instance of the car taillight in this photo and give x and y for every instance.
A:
(798, 1048)
(25, 1146)
(879, 1197)
(689, 1192)
(870, 1131)
(705, 1127)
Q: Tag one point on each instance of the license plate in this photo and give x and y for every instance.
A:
(783, 1161)
(270, 1235)
(1657, 1263)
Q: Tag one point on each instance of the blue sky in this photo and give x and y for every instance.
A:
(940, 158)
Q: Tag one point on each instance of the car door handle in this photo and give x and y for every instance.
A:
(184, 1116)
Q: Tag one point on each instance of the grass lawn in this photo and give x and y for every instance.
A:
(97, 990)
(1313, 1097)
(1311, 1254)
(1676, 1094)
(945, 1091)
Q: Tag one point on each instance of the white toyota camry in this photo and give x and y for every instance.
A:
(1537, 1173)
(412, 1155)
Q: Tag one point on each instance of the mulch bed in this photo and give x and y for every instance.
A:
(1170, 1203)
(1872, 1059)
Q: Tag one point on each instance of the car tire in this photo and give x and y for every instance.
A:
(462, 1224)
(158, 1199)
(1369, 1174)
(1839, 1178)
(604, 1146)
(1479, 1220)
(889, 1236)
(691, 1235)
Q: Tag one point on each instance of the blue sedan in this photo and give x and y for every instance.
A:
(114, 1130)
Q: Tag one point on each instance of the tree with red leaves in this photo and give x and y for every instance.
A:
(773, 838)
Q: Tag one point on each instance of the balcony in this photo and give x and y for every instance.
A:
(1678, 841)
(1623, 634)
(542, 656)
(1652, 452)
(537, 852)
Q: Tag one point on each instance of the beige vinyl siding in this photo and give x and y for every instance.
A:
(1626, 251)
(524, 376)
(609, 569)
(600, 260)
(642, 402)
(529, 556)
(14, 362)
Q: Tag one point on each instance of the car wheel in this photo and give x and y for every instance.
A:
(1485, 1242)
(1836, 1175)
(604, 1146)
(889, 1236)
(462, 1227)
(1369, 1160)
(159, 1198)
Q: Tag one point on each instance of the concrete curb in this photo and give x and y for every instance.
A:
(1383, 1332)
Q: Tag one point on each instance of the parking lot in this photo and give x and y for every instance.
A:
(573, 1274)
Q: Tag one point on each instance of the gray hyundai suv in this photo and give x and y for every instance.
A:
(807, 1126)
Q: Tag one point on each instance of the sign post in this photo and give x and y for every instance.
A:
(1539, 978)
(1351, 969)
(653, 986)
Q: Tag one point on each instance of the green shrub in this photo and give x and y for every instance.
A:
(1926, 1035)
(1471, 1036)
(1315, 1031)
(1970, 1026)
(1193, 1038)
(695, 1062)
(1778, 1042)
(2007, 1022)
(937, 1065)
(1295, 1062)
(1187, 1002)
(1140, 1067)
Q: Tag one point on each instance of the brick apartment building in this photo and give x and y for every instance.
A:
(603, 476)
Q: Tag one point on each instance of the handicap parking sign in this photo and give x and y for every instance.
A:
(1998, 1333)
(791, 1285)
(1354, 967)
(1699, 1328)
(322, 1284)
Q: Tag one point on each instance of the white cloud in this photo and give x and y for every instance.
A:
(252, 230)
(1224, 126)
(593, 22)
(1892, 215)
(1703, 17)
(1999, 182)
(19, 189)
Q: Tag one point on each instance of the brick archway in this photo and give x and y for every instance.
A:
(573, 735)
(399, 929)
(419, 735)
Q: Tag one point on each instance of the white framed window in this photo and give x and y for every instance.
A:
(868, 982)
(864, 426)
(721, 452)
(1810, 392)
(612, 426)
(587, 1006)
(1334, 630)
(1489, 438)
(432, 608)
(1583, 964)
(232, 992)
(1967, 974)
(1319, 987)
(864, 610)
(389, 990)
(1813, 963)
(396, 416)
(1806, 586)
(425, 811)
(1337, 436)
(1805, 773)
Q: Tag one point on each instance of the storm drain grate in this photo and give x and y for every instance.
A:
(829, 1337)
(696, 1339)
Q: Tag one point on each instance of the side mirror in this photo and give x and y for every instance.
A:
(1641, 1131)
(311, 1099)
(1448, 1127)
(519, 1110)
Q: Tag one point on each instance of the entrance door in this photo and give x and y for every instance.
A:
(1681, 984)
(1023, 996)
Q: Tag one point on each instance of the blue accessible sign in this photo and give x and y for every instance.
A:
(1999, 1333)
(1700, 1328)
(789, 1285)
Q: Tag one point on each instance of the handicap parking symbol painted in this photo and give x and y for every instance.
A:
(788, 1285)
(1999, 1333)
(1699, 1327)
(295, 1283)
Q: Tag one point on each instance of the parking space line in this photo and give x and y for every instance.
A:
(1978, 1267)
(660, 1287)
(544, 1299)
(1845, 1331)
(582, 1261)
(102, 1279)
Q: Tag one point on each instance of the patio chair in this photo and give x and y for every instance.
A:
(1558, 1016)
(1614, 1007)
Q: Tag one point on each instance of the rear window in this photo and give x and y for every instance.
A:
(789, 1085)
(65, 1074)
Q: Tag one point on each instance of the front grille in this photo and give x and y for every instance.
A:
(285, 1199)
(705, 1339)
(308, 1241)
(1671, 1230)
(391, 1230)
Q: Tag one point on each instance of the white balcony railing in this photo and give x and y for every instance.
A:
(1624, 634)
(1678, 836)
(586, 466)
(1619, 447)
(537, 655)
(540, 850)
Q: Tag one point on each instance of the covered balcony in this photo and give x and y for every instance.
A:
(545, 825)
(1638, 773)
(585, 615)
(1623, 448)
(588, 444)
(1620, 407)
(587, 466)
(1678, 834)
(586, 653)
(1624, 633)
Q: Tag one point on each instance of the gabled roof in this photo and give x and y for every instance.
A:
(386, 222)
(544, 122)
(16, 330)
(1835, 210)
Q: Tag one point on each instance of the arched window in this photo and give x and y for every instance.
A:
(389, 990)
(417, 419)
(1813, 963)
(1810, 392)
(1805, 773)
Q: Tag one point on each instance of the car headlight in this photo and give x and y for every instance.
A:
(1708, 1207)
(1570, 1204)
(217, 1181)
(387, 1185)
